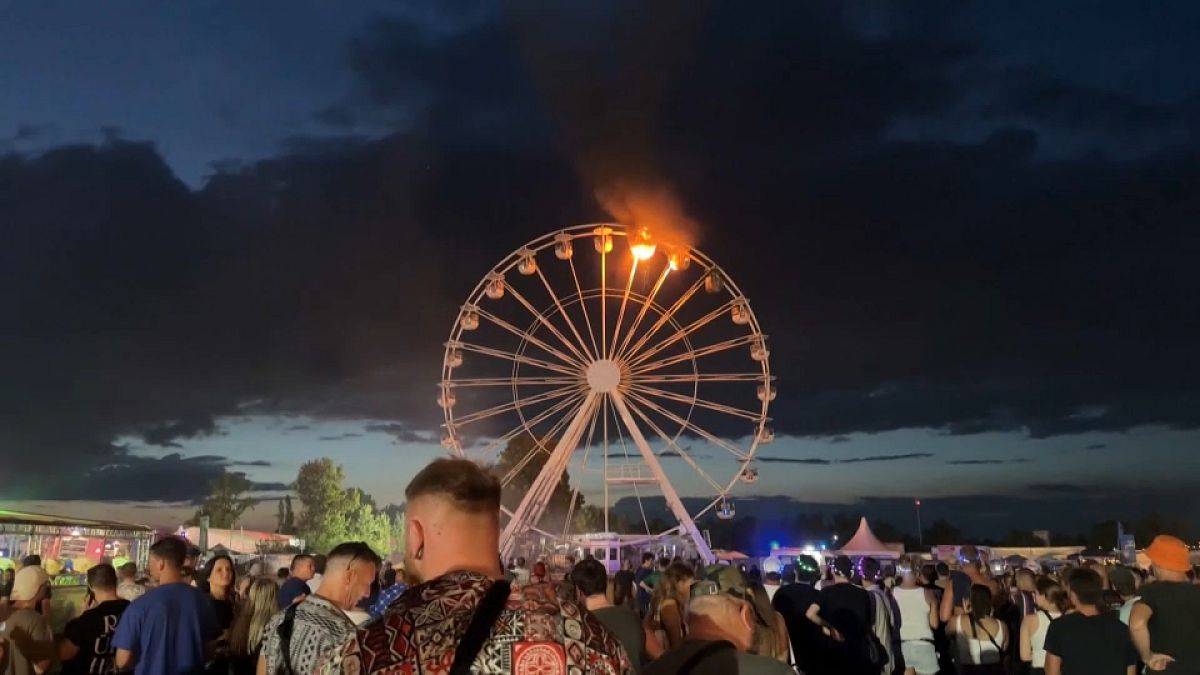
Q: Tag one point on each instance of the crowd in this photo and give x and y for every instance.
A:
(464, 611)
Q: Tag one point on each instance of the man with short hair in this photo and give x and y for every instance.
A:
(591, 579)
(521, 571)
(884, 616)
(624, 584)
(86, 648)
(127, 586)
(792, 601)
(1089, 641)
(171, 628)
(453, 534)
(295, 639)
(1165, 621)
(26, 639)
(295, 587)
(318, 571)
(640, 578)
(720, 621)
(844, 611)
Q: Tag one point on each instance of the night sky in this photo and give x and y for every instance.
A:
(235, 235)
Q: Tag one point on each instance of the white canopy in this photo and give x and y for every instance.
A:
(864, 543)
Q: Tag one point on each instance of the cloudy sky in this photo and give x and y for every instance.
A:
(236, 236)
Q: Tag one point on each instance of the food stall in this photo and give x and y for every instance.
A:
(68, 548)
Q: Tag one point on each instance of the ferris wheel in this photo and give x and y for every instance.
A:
(633, 369)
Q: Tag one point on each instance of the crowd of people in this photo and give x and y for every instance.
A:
(464, 611)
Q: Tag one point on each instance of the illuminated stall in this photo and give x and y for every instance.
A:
(69, 546)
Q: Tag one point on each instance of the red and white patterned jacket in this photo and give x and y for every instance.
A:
(537, 633)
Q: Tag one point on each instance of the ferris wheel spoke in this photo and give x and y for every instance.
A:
(625, 449)
(690, 426)
(525, 335)
(637, 321)
(530, 424)
(549, 326)
(681, 333)
(566, 317)
(510, 406)
(519, 358)
(539, 440)
(587, 447)
(666, 316)
(519, 381)
(621, 314)
(583, 306)
(674, 446)
(698, 402)
(701, 352)
(689, 378)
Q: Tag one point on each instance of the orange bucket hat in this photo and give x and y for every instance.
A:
(1169, 553)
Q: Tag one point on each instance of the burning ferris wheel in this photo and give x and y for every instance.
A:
(633, 367)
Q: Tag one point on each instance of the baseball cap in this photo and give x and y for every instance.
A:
(28, 582)
(729, 580)
(1169, 553)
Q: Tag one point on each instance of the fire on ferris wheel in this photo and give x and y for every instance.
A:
(635, 366)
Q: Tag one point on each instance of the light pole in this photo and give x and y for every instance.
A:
(920, 535)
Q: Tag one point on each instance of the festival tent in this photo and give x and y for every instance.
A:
(865, 544)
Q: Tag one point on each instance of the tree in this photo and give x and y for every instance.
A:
(942, 533)
(588, 518)
(226, 501)
(1017, 537)
(334, 514)
(524, 458)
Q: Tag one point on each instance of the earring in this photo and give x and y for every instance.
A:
(421, 551)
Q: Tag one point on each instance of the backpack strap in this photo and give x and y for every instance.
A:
(703, 653)
(480, 628)
(285, 636)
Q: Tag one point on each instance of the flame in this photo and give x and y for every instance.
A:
(642, 246)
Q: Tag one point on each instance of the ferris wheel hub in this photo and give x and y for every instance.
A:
(604, 376)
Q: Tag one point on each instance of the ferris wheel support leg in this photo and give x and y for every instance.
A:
(668, 490)
(534, 503)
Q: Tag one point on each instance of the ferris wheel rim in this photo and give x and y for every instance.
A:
(540, 244)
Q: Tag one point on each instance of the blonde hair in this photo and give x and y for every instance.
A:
(257, 610)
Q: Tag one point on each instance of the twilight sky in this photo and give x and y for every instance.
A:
(236, 236)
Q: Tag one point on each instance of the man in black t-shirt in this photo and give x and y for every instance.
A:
(1090, 641)
(87, 640)
(1165, 621)
(845, 612)
(792, 600)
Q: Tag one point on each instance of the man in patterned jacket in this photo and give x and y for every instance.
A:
(452, 539)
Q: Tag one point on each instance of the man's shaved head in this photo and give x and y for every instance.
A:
(461, 481)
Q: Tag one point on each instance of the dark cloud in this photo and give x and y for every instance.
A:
(401, 433)
(962, 284)
(299, 427)
(1061, 488)
(127, 477)
(848, 460)
(973, 462)
(257, 462)
(339, 437)
(1097, 446)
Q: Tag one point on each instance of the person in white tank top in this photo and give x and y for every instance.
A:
(1051, 599)
(918, 617)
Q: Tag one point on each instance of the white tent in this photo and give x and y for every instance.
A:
(864, 543)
